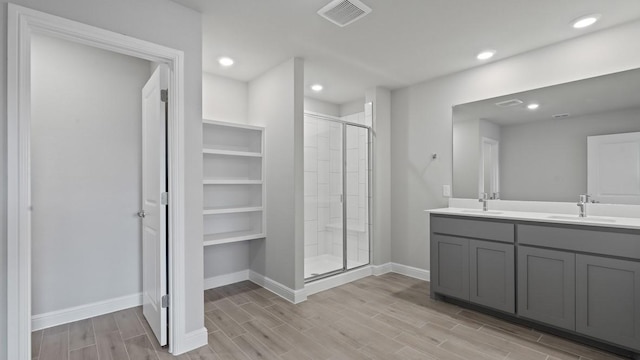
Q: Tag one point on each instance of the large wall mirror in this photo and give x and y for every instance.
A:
(553, 143)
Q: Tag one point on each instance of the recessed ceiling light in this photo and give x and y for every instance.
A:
(533, 106)
(583, 22)
(225, 61)
(486, 54)
(317, 87)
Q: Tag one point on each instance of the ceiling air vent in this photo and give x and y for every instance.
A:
(507, 103)
(560, 116)
(344, 12)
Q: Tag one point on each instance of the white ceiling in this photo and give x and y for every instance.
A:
(600, 94)
(402, 42)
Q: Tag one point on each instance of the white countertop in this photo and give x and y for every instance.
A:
(601, 221)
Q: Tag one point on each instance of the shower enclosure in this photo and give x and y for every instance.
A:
(337, 173)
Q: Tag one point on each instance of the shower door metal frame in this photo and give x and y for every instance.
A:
(370, 140)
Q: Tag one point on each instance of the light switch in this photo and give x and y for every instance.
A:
(446, 190)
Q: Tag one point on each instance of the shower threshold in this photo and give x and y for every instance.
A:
(324, 264)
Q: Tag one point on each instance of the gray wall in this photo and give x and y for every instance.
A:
(226, 259)
(321, 107)
(466, 146)
(467, 140)
(276, 102)
(422, 121)
(163, 22)
(352, 107)
(547, 160)
(86, 182)
(489, 130)
(224, 99)
(381, 236)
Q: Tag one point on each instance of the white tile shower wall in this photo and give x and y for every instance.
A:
(357, 204)
(324, 191)
(335, 239)
(311, 200)
(323, 188)
(319, 162)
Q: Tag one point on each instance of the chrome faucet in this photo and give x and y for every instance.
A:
(484, 199)
(582, 204)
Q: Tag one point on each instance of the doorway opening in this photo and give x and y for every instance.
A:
(23, 25)
(98, 156)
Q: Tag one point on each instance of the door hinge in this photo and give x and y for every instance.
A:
(164, 95)
(165, 301)
(164, 198)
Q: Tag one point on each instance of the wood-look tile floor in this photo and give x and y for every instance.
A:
(386, 317)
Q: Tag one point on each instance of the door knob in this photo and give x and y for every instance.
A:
(142, 214)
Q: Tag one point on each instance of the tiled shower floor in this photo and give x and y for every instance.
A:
(322, 264)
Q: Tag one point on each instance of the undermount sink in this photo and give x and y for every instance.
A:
(488, 212)
(577, 218)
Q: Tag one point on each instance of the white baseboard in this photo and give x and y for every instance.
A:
(226, 279)
(64, 316)
(406, 270)
(294, 296)
(54, 318)
(192, 341)
(381, 269)
(337, 280)
(411, 271)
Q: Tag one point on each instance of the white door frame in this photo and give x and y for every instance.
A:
(22, 22)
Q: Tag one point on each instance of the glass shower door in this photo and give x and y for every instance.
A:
(357, 145)
(323, 194)
(337, 181)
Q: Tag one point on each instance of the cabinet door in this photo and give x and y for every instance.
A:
(608, 299)
(546, 286)
(450, 270)
(491, 275)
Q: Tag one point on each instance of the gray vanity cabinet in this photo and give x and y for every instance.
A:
(582, 279)
(608, 299)
(546, 286)
(491, 275)
(473, 260)
(450, 270)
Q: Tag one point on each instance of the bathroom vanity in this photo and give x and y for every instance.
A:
(577, 275)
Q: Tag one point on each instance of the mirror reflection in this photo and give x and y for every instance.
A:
(553, 143)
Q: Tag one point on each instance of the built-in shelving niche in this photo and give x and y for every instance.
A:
(233, 187)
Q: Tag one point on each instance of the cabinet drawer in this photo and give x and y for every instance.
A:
(623, 244)
(479, 229)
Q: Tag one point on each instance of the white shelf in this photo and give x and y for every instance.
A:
(231, 125)
(216, 211)
(232, 182)
(230, 237)
(230, 153)
(232, 137)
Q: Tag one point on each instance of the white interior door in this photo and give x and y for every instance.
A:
(613, 168)
(154, 209)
